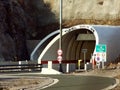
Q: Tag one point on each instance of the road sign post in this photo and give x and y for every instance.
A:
(59, 58)
(84, 52)
(60, 40)
(59, 52)
(101, 48)
(101, 53)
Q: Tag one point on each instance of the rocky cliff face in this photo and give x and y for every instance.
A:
(34, 19)
(88, 12)
(84, 9)
(44, 14)
(12, 32)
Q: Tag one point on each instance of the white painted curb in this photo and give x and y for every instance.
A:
(54, 82)
(112, 86)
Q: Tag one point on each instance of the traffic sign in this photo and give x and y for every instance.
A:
(100, 57)
(59, 52)
(84, 50)
(101, 48)
(101, 52)
(59, 58)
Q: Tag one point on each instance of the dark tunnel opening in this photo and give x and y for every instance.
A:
(75, 41)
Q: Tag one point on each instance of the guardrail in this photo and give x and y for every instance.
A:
(20, 67)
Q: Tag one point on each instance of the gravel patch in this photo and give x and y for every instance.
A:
(24, 83)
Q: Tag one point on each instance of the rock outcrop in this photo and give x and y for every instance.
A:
(12, 31)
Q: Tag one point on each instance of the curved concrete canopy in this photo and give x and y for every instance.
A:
(40, 44)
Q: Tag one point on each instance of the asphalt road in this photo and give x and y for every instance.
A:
(73, 82)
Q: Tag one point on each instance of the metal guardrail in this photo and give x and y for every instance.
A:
(21, 67)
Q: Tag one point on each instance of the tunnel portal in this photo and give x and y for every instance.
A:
(73, 41)
(76, 38)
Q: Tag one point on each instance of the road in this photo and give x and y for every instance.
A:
(75, 82)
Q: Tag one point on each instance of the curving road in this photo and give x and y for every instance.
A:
(73, 82)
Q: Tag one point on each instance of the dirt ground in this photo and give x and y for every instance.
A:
(24, 83)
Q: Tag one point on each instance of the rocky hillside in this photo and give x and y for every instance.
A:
(84, 9)
(22, 20)
(44, 14)
(13, 28)
(87, 12)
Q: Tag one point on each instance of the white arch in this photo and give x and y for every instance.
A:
(49, 45)
(41, 42)
(65, 31)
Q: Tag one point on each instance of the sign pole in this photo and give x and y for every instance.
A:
(60, 40)
(103, 67)
(84, 52)
(60, 22)
(101, 54)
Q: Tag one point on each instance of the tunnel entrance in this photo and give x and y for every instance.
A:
(75, 41)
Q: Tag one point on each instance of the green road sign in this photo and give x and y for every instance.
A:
(101, 48)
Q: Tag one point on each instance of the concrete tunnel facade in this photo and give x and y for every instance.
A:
(76, 38)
